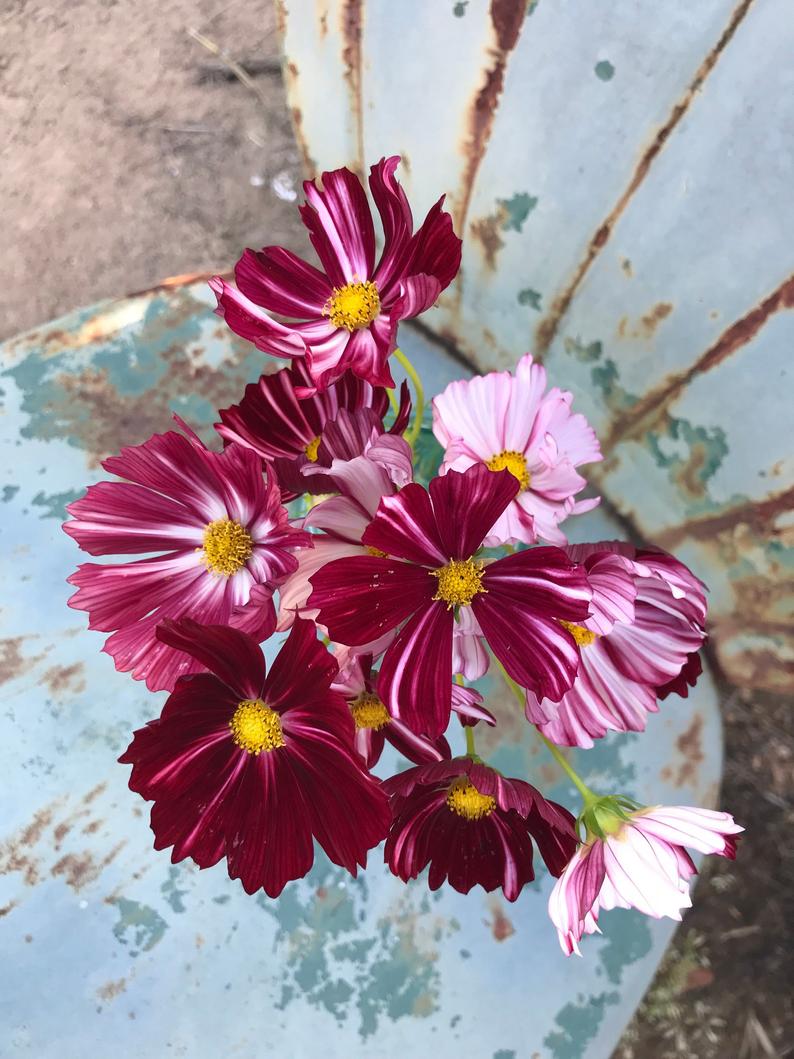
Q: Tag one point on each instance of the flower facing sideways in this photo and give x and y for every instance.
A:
(426, 569)
(640, 862)
(223, 544)
(473, 826)
(253, 765)
(639, 643)
(507, 421)
(346, 316)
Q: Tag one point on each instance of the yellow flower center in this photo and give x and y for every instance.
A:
(584, 637)
(464, 799)
(376, 552)
(311, 449)
(369, 712)
(353, 306)
(227, 546)
(255, 727)
(513, 462)
(459, 582)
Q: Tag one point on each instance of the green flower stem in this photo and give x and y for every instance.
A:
(412, 433)
(471, 749)
(588, 796)
(395, 404)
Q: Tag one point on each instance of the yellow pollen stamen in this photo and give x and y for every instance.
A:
(369, 712)
(227, 546)
(255, 727)
(464, 799)
(459, 582)
(311, 449)
(376, 552)
(514, 462)
(353, 306)
(584, 637)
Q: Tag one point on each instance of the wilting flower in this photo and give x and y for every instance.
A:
(426, 569)
(506, 421)
(383, 467)
(292, 431)
(224, 544)
(473, 826)
(358, 682)
(346, 316)
(253, 766)
(641, 862)
(638, 644)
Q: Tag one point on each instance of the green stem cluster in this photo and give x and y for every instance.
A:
(412, 434)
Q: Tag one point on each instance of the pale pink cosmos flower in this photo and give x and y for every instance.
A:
(642, 864)
(639, 643)
(508, 421)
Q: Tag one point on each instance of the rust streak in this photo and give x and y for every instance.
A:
(759, 515)
(742, 331)
(547, 328)
(352, 18)
(507, 18)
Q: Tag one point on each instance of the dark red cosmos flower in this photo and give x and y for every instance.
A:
(346, 316)
(519, 601)
(292, 429)
(473, 826)
(253, 765)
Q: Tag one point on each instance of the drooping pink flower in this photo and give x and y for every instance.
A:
(222, 538)
(646, 625)
(426, 569)
(507, 421)
(346, 316)
(292, 431)
(643, 863)
(253, 765)
(384, 466)
(473, 826)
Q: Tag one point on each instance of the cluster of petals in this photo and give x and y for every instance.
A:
(344, 317)
(221, 543)
(253, 765)
(473, 826)
(426, 540)
(639, 643)
(509, 421)
(643, 864)
(295, 429)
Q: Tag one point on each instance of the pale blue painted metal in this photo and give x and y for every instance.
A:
(107, 947)
(620, 174)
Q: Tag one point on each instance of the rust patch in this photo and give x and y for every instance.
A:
(5, 909)
(15, 854)
(761, 667)
(182, 280)
(12, 662)
(486, 231)
(547, 328)
(94, 793)
(501, 926)
(690, 746)
(651, 320)
(352, 18)
(759, 516)
(649, 408)
(80, 869)
(111, 989)
(625, 264)
(322, 18)
(64, 679)
(507, 18)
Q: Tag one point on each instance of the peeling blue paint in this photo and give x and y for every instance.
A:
(604, 70)
(529, 297)
(578, 1024)
(515, 210)
(139, 926)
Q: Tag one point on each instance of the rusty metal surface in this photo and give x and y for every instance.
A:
(621, 179)
(109, 948)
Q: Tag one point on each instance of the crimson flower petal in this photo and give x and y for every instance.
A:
(340, 226)
(228, 653)
(281, 282)
(302, 670)
(405, 525)
(466, 505)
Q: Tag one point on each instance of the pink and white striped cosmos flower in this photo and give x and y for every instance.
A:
(424, 569)
(641, 863)
(346, 316)
(507, 421)
(223, 544)
(639, 643)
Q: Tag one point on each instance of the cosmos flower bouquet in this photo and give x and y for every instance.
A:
(389, 594)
